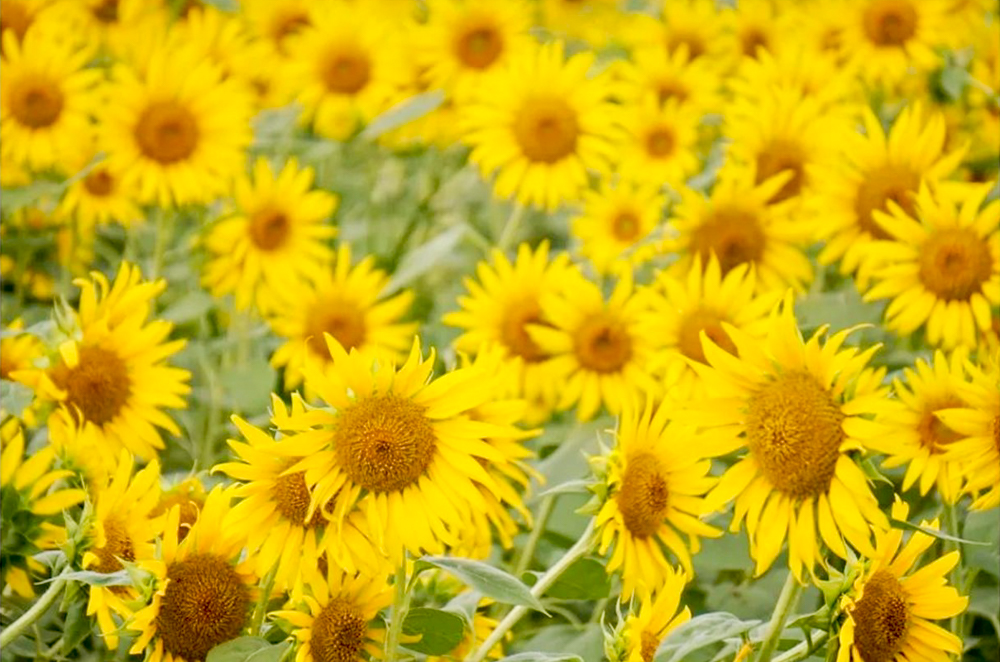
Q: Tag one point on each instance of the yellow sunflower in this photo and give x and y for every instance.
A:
(177, 132)
(941, 268)
(656, 482)
(98, 198)
(348, 302)
(793, 406)
(617, 225)
(877, 169)
(347, 66)
(334, 620)
(464, 39)
(798, 68)
(740, 224)
(666, 75)
(755, 26)
(111, 25)
(887, 38)
(888, 612)
(658, 615)
(598, 351)
(696, 25)
(681, 308)
(397, 446)
(29, 502)
(657, 143)
(124, 528)
(18, 349)
(47, 97)
(277, 21)
(591, 21)
(189, 497)
(17, 16)
(497, 311)
(113, 382)
(203, 597)
(275, 241)
(976, 426)
(540, 124)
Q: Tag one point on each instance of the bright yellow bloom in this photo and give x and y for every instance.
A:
(658, 615)
(99, 198)
(665, 75)
(619, 224)
(657, 143)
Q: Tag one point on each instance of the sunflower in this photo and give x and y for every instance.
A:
(544, 122)
(334, 621)
(277, 21)
(656, 483)
(123, 529)
(47, 97)
(657, 143)
(657, 616)
(591, 21)
(400, 448)
(18, 349)
(617, 224)
(113, 381)
(941, 268)
(667, 75)
(755, 26)
(793, 406)
(347, 66)
(740, 224)
(498, 310)
(98, 198)
(598, 351)
(464, 39)
(798, 68)
(695, 25)
(348, 302)
(681, 308)
(189, 497)
(202, 596)
(887, 613)
(29, 500)
(17, 16)
(112, 25)
(976, 426)
(889, 37)
(178, 132)
(274, 241)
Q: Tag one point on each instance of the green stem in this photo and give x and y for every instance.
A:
(159, 244)
(787, 602)
(954, 528)
(400, 605)
(528, 552)
(577, 551)
(803, 650)
(261, 609)
(27, 619)
(511, 227)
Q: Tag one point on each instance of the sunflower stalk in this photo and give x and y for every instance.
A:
(954, 529)
(574, 553)
(511, 227)
(787, 602)
(265, 595)
(28, 618)
(528, 552)
(400, 605)
(803, 650)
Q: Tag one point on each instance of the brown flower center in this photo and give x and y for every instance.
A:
(794, 433)
(106, 11)
(689, 335)
(777, 157)
(291, 497)
(642, 497)
(269, 229)
(890, 22)
(955, 263)
(695, 44)
(346, 71)
(14, 15)
(602, 343)
(626, 226)
(734, 235)
(98, 387)
(118, 545)
(648, 643)
(479, 47)
(934, 434)
(751, 39)
(881, 618)
(341, 319)
(514, 329)
(671, 88)
(660, 142)
(205, 604)
(167, 132)
(287, 24)
(189, 503)
(546, 128)
(338, 632)
(99, 183)
(36, 103)
(890, 182)
(384, 442)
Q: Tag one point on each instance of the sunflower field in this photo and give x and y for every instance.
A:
(518, 330)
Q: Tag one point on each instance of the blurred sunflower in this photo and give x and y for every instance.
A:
(349, 303)
(591, 21)
(177, 133)
(400, 448)
(275, 241)
(277, 21)
(793, 405)
(124, 528)
(598, 352)
(738, 225)
(877, 168)
(797, 69)
(47, 96)
(753, 27)
(98, 198)
(551, 123)
(657, 143)
(658, 616)
(696, 25)
(203, 597)
(941, 268)
(656, 482)
(887, 613)
(666, 75)
(17, 16)
(113, 382)
(18, 350)
(334, 620)
(617, 224)
(111, 25)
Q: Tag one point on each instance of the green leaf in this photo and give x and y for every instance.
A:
(402, 113)
(191, 306)
(272, 653)
(441, 631)
(985, 601)
(229, 6)
(578, 486)
(424, 258)
(699, 632)
(587, 579)
(933, 532)
(541, 657)
(76, 627)
(27, 196)
(15, 397)
(237, 650)
(120, 578)
(567, 641)
(872, 472)
(983, 525)
(491, 582)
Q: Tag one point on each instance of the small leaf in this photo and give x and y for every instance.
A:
(699, 632)
(272, 653)
(30, 195)
(424, 258)
(76, 627)
(872, 472)
(541, 657)
(402, 113)
(440, 631)
(490, 581)
(578, 486)
(15, 397)
(237, 650)
(120, 578)
(933, 532)
(587, 579)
